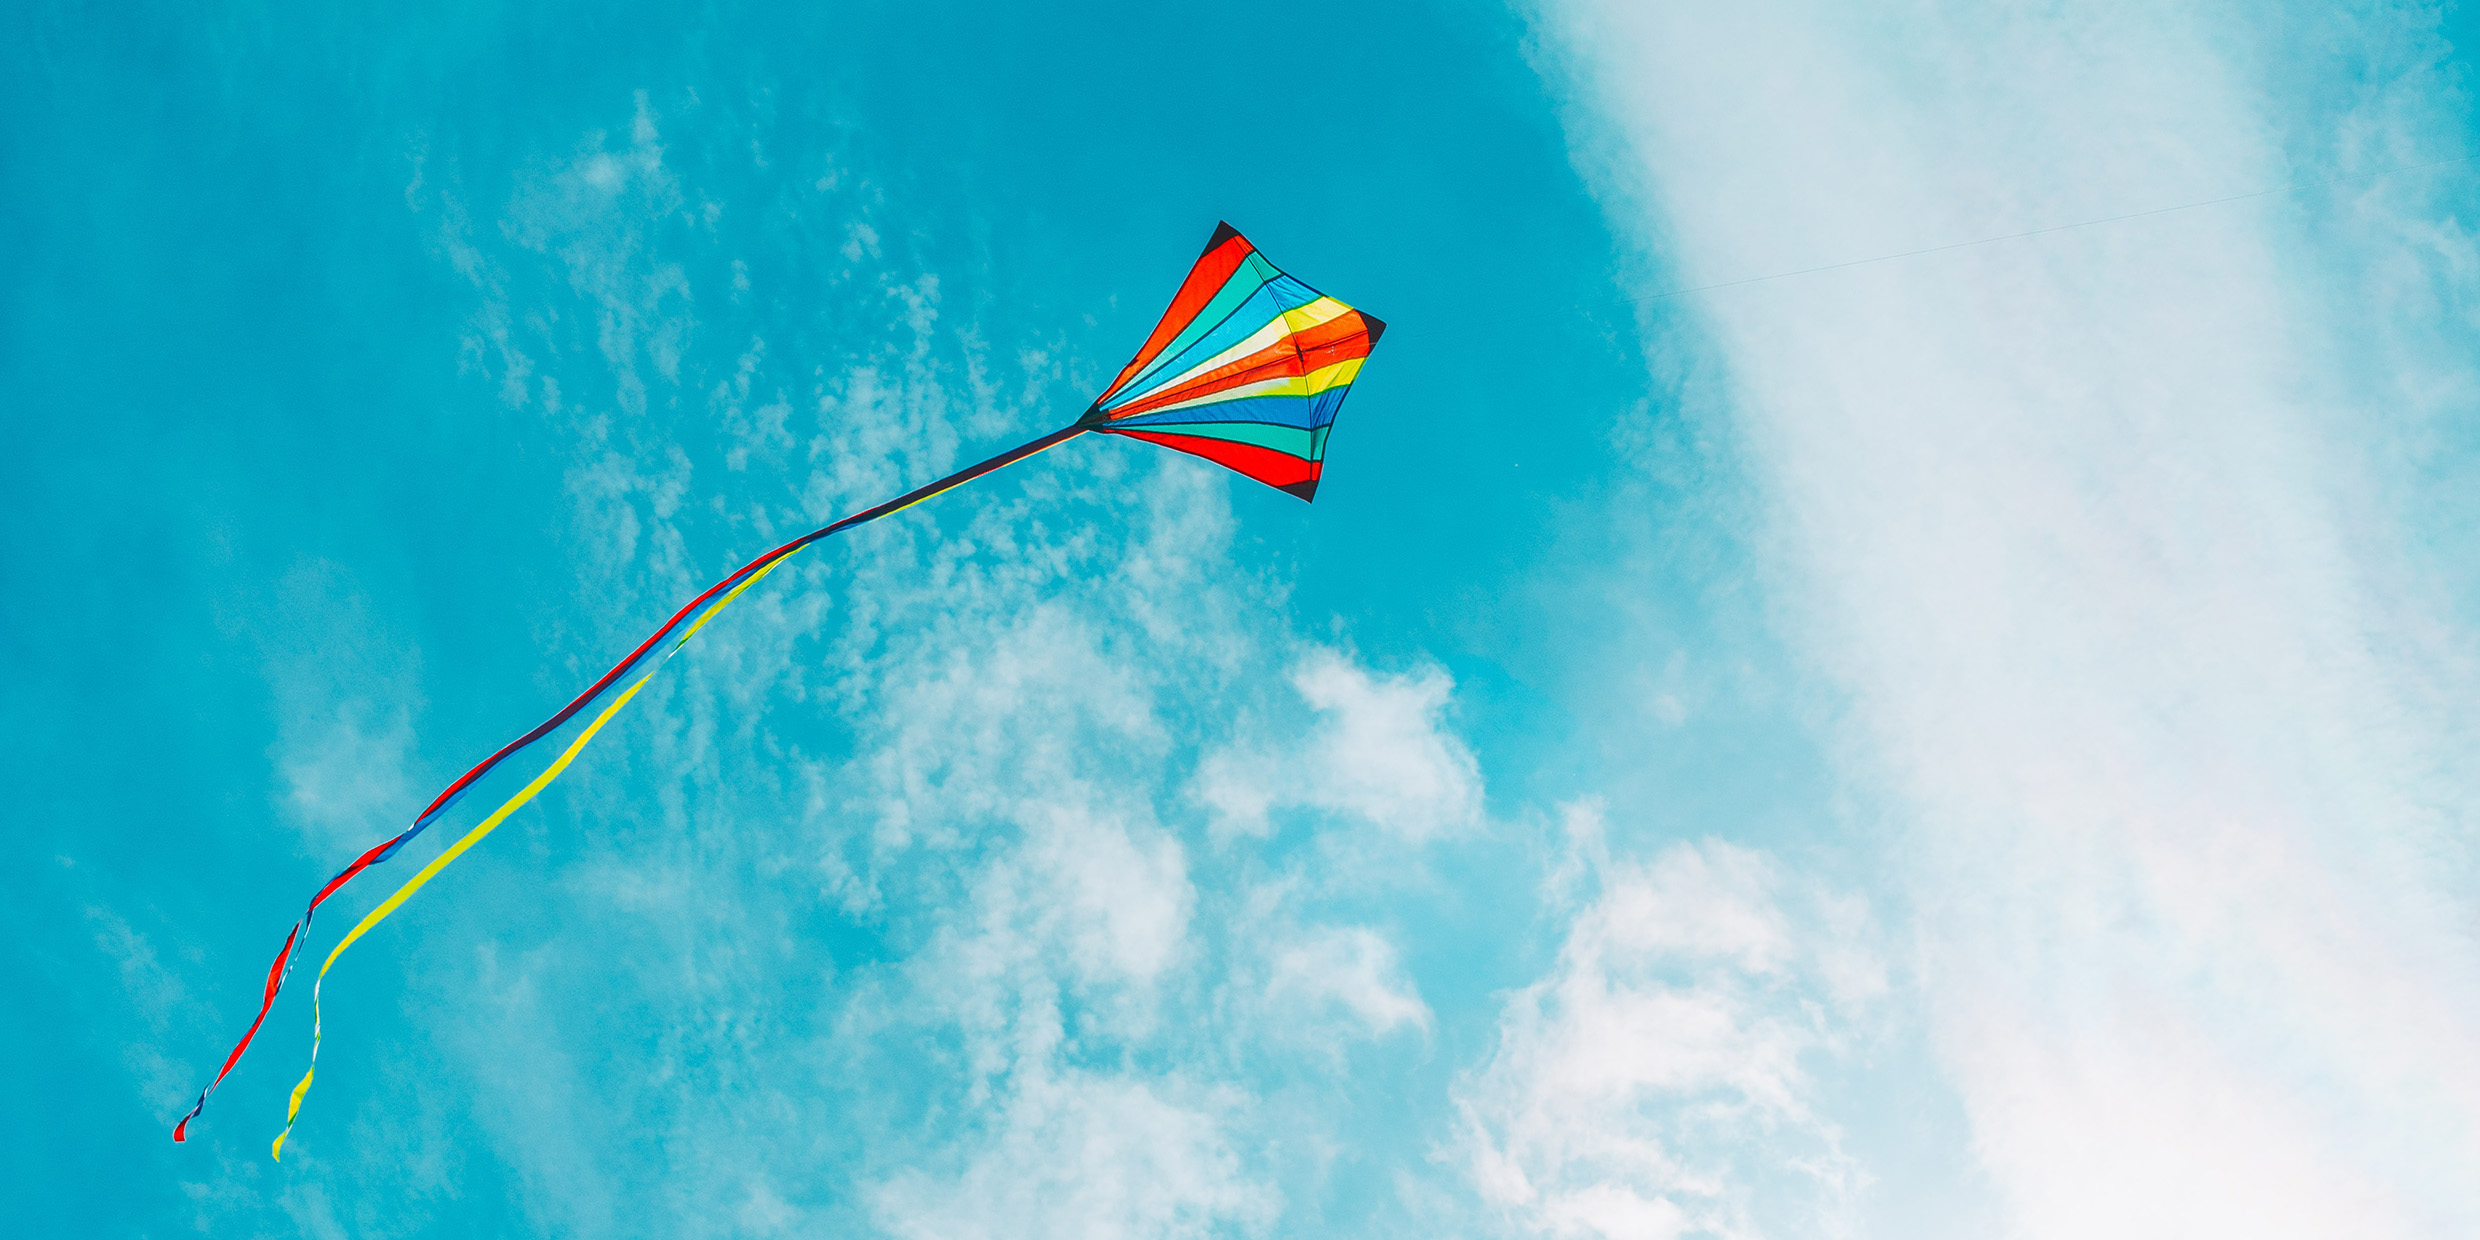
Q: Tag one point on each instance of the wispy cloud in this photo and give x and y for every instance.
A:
(2086, 530)
(347, 693)
(1351, 969)
(1378, 755)
(162, 1004)
(1083, 1155)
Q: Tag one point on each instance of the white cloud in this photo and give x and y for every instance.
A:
(2087, 529)
(1084, 1157)
(1125, 894)
(1379, 752)
(1082, 908)
(601, 215)
(161, 1003)
(346, 692)
(1655, 1082)
(1351, 968)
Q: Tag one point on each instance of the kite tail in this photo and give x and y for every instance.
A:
(275, 982)
(440, 862)
(729, 588)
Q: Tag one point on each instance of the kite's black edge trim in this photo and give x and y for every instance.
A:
(1223, 231)
(1306, 490)
(1377, 326)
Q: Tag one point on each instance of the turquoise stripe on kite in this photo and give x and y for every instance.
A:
(1296, 441)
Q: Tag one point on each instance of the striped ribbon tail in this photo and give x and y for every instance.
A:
(647, 659)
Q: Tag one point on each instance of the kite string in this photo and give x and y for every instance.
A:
(483, 829)
(275, 981)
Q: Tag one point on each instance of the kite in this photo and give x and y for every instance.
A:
(1246, 369)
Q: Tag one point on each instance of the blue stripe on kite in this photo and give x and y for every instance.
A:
(1253, 274)
(1291, 292)
(1305, 412)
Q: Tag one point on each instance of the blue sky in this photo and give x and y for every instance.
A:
(1972, 745)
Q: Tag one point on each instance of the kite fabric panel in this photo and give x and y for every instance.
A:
(1246, 369)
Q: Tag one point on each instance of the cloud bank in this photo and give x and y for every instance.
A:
(2106, 543)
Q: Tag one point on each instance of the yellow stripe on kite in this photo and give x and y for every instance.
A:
(1334, 376)
(1280, 327)
(1310, 384)
(1324, 309)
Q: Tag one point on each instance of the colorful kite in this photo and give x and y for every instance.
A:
(1246, 369)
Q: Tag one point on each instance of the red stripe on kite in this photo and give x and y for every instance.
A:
(1211, 272)
(1275, 469)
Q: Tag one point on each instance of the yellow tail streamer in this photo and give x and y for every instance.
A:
(484, 828)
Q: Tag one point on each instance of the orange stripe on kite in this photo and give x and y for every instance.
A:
(1347, 335)
(1283, 359)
